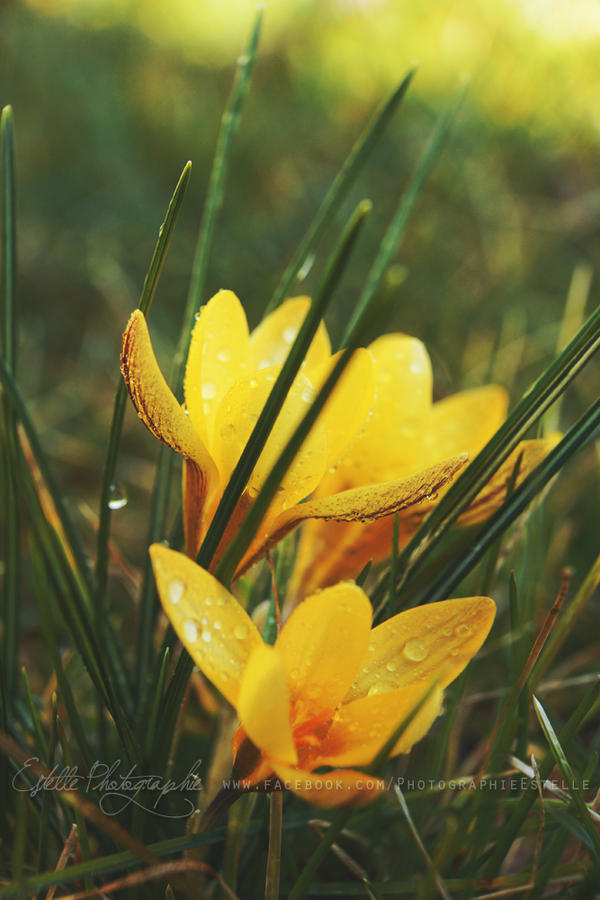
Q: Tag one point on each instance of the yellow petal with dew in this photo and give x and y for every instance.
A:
(361, 728)
(494, 493)
(214, 628)
(433, 642)
(271, 340)
(218, 357)
(346, 410)
(154, 400)
(264, 704)
(236, 418)
(320, 543)
(392, 441)
(464, 421)
(341, 787)
(322, 645)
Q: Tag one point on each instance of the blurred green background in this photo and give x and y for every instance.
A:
(111, 97)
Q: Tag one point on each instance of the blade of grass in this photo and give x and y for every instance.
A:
(147, 296)
(568, 774)
(541, 395)
(529, 488)
(510, 829)
(339, 188)
(10, 501)
(397, 227)
(35, 718)
(214, 200)
(266, 420)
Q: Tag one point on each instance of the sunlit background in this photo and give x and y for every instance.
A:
(111, 97)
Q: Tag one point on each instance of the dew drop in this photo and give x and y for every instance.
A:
(243, 60)
(294, 674)
(221, 601)
(208, 601)
(197, 316)
(454, 653)
(227, 432)
(432, 496)
(447, 632)
(176, 589)
(380, 687)
(308, 394)
(289, 334)
(415, 650)
(209, 390)
(391, 666)
(224, 354)
(240, 632)
(206, 636)
(190, 630)
(253, 383)
(117, 496)
(463, 629)
(217, 625)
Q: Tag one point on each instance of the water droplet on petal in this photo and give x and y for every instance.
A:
(176, 589)
(391, 666)
(190, 630)
(308, 394)
(117, 496)
(240, 632)
(432, 496)
(221, 601)
(224, 354)
(217, 625)
(208, 390)
(206, 636)
(454, 653)
(289, 334)
(447, 632)
(415, 650)
(463, 629)
(243, 60)
(380, 687)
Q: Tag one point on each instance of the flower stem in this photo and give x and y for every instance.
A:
(274, 855)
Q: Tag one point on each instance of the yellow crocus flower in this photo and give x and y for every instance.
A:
(405, 433)
(229, 375)
(331, 691)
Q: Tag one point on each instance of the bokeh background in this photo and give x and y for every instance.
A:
(111, 97)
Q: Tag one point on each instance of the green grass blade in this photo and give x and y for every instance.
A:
(215, 193)
(541, 395)
(214, 200)
(35, 718)
(331, 277)
(397, 226)
(507, 833)
(15, 398)
(302, 884)
(9, 452)
(339, 188)
(568, 774)
(147, 296)
(9, 238)
(527, 491)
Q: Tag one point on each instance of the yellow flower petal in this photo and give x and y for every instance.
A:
(328, 552)
(270, 341)
(464, 421)
(218, 357)
(213, 627)
(237, 416)
(392, 442)
(342, 787)
(429, 643)
(360, 729)
(154, 400)
(322, 645)
(494, 493)
(348, 405)
(264, 704)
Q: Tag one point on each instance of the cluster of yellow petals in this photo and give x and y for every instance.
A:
(380, 446)
(331, 691)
